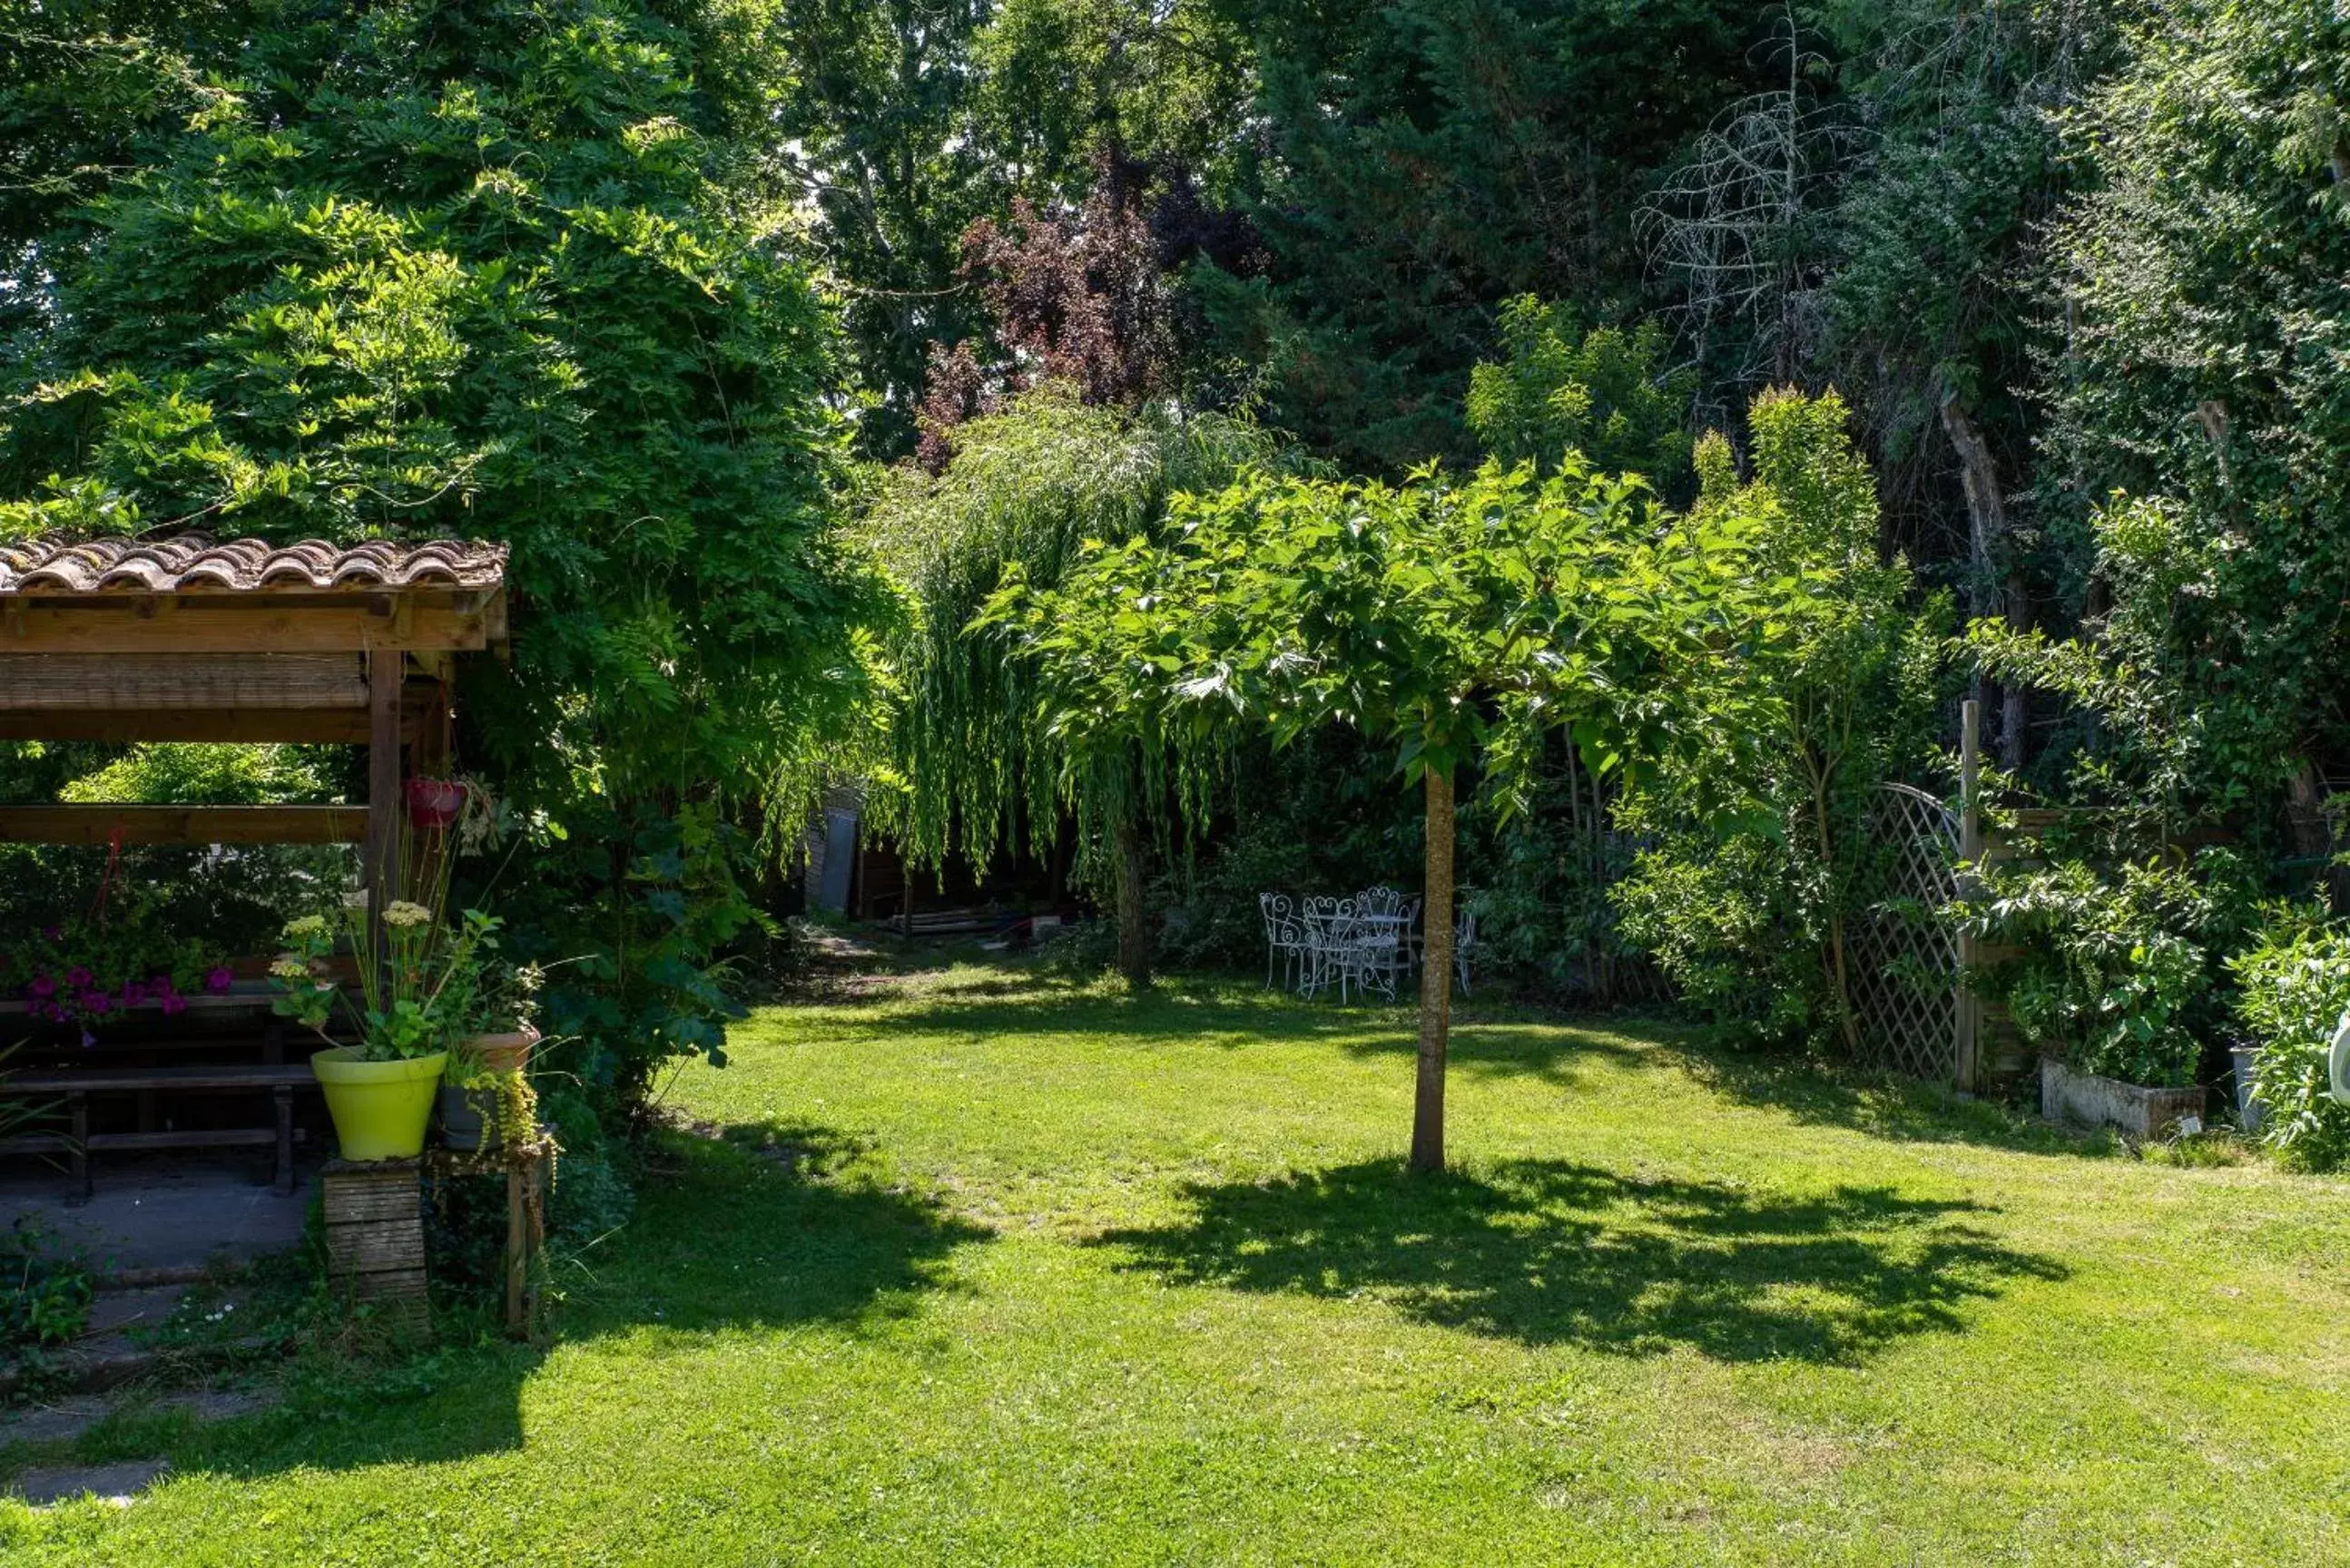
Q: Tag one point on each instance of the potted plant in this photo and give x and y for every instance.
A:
(485, 1095)
(435, 802)
(416, 1003)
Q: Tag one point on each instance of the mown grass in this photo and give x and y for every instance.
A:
(984, 1268)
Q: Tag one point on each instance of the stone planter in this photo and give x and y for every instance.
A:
(2142, 1112)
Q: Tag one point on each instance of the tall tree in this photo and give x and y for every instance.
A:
(1960, 163)
(425, 268)
(2195, 364)
(977, 764)
(1419, 162)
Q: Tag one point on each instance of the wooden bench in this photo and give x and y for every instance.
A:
(78, 1084)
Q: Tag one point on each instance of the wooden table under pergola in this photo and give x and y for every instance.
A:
(187, 639)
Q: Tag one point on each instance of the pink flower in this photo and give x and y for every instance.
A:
(53, 933)
(134, 994)
(219, 980)
(78, 977)
(95, 1001)
(53, 1012)
(43, 987)
(173, 1005)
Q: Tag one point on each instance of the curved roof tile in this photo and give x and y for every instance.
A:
(192, 562)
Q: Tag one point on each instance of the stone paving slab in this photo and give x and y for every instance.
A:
(117, 1483)
(59, 1421)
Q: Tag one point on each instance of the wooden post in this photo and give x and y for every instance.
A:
(382, 867)
(525, 1237)
(1969, 1051)
(517, 1252)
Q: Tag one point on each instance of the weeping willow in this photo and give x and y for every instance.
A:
(973, 765)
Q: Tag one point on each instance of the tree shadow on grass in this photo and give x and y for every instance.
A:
(740, 1228)
(1229, 1015)
(1899, 1109)
(1547, 1252)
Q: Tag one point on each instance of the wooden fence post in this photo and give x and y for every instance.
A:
(1969, 1012)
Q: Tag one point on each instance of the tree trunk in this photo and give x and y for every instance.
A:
(1133, 924)
(1987, 541)
(1839, 968)
(1435, 979)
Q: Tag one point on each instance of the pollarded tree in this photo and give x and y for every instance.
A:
(1456, 619)
(975, 762)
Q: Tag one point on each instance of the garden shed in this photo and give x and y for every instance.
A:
(189, 639)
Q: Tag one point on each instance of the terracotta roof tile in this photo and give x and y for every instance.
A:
(192, 563)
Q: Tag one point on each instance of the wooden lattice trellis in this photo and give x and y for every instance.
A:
(1905, 956)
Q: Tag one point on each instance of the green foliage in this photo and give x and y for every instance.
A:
(2200, 273)
(435, 983)
(418, 272)
(124, 951)
(1418, 163)
(640, 958)
(174, 772)
(2294, 981)
(1450, 618)
(1319, 816)
(2118, 975)
(1603, 393)
(1931, 293)
(492, 270)
(45, 1295)
(225, 905)
(1759, 858)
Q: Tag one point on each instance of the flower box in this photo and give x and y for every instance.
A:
(2141, 1112)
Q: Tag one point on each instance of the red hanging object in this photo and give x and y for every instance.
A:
(434, 803)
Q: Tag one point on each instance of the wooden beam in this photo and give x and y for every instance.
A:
(135, 681)
(324, 727)
(98, 824)
(386, 671)
(243, 623)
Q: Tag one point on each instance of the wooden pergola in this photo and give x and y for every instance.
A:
(186, 639)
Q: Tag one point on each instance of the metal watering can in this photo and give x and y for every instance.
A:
(2338, 1066)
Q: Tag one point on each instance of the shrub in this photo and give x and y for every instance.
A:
(2295, 983)
(45, 1295)
(2118, 976)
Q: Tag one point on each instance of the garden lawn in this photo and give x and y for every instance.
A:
(980, 1268)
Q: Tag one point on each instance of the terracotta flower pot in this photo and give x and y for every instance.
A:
(469, 1114)
(503, 1052)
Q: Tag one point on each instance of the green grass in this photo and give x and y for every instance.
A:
(983, 1268)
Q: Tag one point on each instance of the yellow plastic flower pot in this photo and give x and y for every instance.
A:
(380, 1108)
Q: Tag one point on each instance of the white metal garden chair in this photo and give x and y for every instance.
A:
(1328, 923)
(1285, 940)
(1464, 943)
